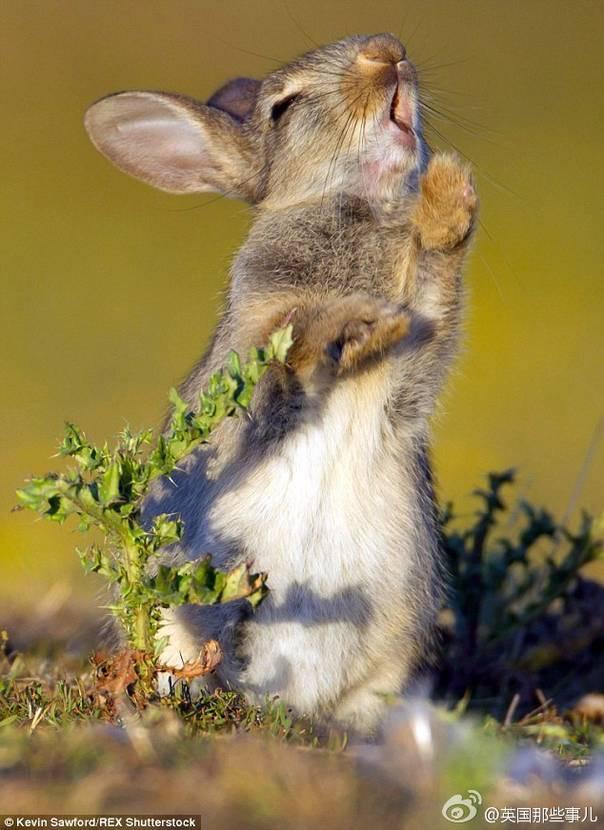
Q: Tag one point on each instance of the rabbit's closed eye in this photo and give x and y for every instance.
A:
(281, 107)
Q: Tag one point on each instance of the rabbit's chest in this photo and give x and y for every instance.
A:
(320, 509)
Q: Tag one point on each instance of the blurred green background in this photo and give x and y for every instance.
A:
(110, 289)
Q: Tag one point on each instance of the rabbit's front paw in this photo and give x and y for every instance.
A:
(342, 334)
(447, 203)
(366, 328)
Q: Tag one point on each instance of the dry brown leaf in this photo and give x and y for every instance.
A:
(115, 672)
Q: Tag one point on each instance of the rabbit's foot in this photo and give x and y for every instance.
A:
(447, 203)
(348, 332)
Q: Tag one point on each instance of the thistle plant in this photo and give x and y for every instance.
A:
(106, 487)
(520, 602)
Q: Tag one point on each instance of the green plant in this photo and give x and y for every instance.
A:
(520, 608)
(106, 489)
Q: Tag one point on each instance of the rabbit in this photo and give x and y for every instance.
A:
(359, 238)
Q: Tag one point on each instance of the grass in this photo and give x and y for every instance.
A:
(64, 749)
(37, 693)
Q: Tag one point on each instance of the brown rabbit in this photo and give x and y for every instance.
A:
(358, 239)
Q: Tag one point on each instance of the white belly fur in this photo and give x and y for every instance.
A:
(329, 519)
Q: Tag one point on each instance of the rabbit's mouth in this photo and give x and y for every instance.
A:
(401, 116)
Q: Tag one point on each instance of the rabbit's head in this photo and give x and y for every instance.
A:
(343, 119)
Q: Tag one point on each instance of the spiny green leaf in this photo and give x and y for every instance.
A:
(280, 343)
(240, 583)
(73, 441)
(234, 365)
(165, 531)
(109, 485)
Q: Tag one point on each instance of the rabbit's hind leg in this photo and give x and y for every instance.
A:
(362, 709)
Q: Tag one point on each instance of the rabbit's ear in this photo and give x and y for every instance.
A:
(172, 142)
(237, 97)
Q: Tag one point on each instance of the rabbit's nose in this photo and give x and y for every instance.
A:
(406, 71)
(382, 49)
